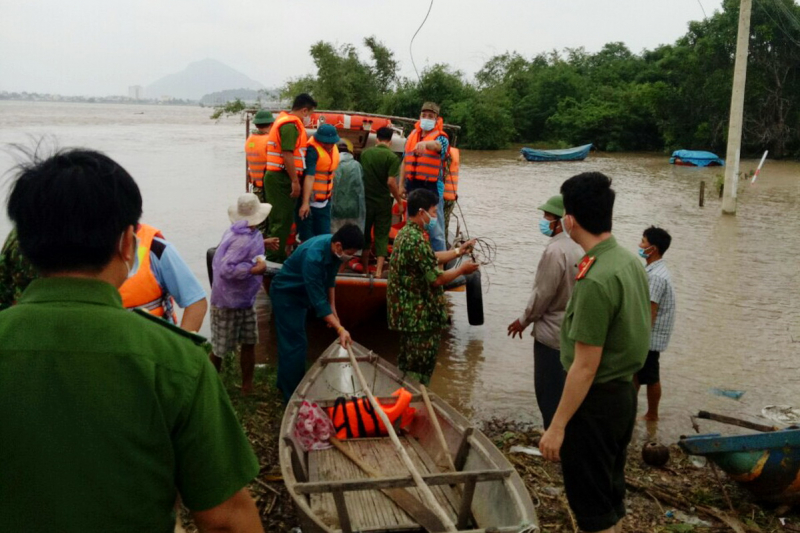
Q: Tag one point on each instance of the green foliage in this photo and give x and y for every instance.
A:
(675, 96)
(230, 108)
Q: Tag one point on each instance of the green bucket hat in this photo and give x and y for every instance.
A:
(327, 134)
(263, 118)
(554, 205)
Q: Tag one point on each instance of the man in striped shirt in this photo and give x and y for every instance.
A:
(655, 243)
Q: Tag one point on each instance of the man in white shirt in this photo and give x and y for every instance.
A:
(552, 288)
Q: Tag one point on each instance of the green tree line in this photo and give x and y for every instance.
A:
(675, 96)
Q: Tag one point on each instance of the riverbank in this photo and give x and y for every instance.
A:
(680, 497)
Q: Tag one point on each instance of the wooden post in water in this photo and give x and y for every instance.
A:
(246, 171)
(737, 110)
(702, 193)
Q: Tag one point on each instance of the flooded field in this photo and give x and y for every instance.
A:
(736, 278)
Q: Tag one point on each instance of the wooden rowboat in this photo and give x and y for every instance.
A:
(332, 494)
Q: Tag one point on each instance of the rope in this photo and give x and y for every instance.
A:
(410, 50)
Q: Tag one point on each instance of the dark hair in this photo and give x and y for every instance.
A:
(590, 199)
(385, 133)
(659, 238)
(421, 199)
(351, 237)
(303, 101)
(71, 209)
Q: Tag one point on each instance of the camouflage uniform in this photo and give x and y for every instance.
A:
(16, 272)
(416, 308)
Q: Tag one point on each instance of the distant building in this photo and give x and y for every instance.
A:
(136, 92)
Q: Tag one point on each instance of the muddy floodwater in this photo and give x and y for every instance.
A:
(737, 279)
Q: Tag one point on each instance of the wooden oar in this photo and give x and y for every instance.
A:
(735, 421)
(404, 499)
(437, 428)
(423, 488)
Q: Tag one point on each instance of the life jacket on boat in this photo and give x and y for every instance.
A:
(255, 147)
(451, 176)
(327, 163)
(428, 166)
(345, 121)
(274, 154)
(142, 291)
(355, 417)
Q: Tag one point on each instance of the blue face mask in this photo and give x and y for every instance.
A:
(429, 225)
(544, 227)
(643, 254)
(427, 124)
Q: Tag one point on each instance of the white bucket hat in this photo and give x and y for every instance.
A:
(248, 208)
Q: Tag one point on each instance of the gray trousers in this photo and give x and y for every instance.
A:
(548, 380)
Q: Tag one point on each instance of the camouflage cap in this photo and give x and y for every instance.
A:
(430, 106)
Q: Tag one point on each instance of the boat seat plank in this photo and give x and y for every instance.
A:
(369, 509)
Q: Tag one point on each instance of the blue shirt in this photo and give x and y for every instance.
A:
(312, 156)
(174, 275)
(441, 139)
(308, 274)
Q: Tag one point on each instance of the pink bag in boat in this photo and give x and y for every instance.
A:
(313, 428)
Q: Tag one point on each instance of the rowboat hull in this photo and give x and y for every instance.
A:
(577, 153)
(695, 158)
(501, 502)
(766, 464)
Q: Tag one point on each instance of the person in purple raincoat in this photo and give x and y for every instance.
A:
(238, 266)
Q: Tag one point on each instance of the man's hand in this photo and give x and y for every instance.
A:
(272, 243)
(260, 268)
(515, 328)
(305, 210)
(403, 194)
(550, 444)
(419, 149)
(468, 267)
(295, 188)
(468, 246)
(344, 338)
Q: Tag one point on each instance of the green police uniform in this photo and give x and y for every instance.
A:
(16, 272)
(106, 414)
(379, 163)
(278, 192)
(610, 307)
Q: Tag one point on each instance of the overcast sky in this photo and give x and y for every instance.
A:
(100, 47)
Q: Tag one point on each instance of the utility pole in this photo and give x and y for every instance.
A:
(737, 110)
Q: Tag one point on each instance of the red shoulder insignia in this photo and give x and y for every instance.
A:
(584, 267)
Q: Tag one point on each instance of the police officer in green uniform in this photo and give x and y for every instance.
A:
(106, 414)
(605, 337)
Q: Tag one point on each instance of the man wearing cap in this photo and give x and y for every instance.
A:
(552, 288)
(426, 151)
(256, 149)
(322, 160)
(347, 201)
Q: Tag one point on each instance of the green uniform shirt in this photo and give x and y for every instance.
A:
(414, 304)
(379, 164)
(289, 135)
(105, 414)
(610, 307)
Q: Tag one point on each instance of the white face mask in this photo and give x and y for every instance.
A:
(307, 120)
(564, 226)
(132, 270)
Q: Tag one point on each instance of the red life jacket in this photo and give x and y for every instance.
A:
(142, 290)
(327, 163)
(451, 176)
(256, 149)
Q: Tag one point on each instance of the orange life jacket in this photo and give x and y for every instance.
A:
(327, 163)
(354, 417)
(256, 149)
(274, 154)
(428, 166)
(451, 177)
(142, 290)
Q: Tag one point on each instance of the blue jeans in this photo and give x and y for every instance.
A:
(316, 223)
(290, 326)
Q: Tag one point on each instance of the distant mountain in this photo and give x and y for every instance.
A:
(198, 79)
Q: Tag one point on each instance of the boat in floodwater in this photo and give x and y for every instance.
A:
(695, 158)
(577, 153)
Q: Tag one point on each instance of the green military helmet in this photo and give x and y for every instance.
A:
(263, 118)
(554, 205)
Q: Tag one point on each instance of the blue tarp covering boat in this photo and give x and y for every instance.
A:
(577, 153)
(695, 158)
(767, 464)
